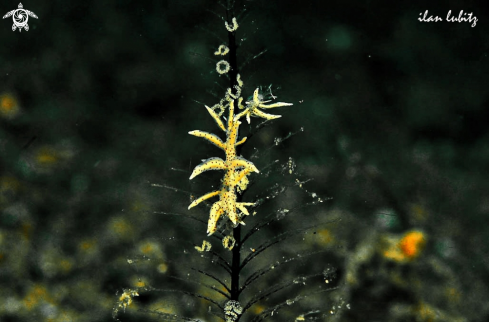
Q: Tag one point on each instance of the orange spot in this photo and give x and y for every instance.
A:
(404, 248)
(412, 244)
(9, 107)
(7, 103)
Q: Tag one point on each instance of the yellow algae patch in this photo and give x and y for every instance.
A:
(46, 156)
(139, 205)
(325, 236)
(167, 306)
(36, 296)
(453, 295)
(151, 248)
(139, 282)
(87, 245)
(425, 313)
(257, 309)
(9, 106)
(9, 184)
(66, 265)
(162, 268)
(120, 228)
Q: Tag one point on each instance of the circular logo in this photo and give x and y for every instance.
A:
(20, 18)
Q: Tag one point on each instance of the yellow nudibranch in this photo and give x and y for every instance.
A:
(237, 168)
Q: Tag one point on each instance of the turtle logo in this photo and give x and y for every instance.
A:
(20, 17)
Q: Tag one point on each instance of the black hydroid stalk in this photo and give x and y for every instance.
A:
(233, 74)
(235, 265)
(233, 59)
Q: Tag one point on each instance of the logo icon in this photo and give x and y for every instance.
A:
(20, 17)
